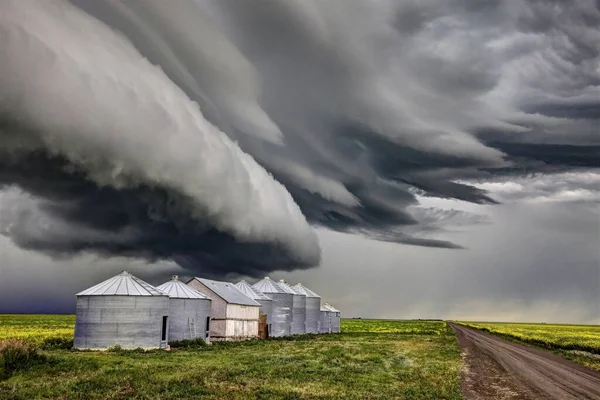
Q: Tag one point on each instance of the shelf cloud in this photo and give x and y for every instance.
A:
(218, 134)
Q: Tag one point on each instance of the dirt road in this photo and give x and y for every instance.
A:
(498, 369)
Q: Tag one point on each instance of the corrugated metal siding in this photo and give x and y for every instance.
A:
(335, 317)
(187, 318)
(281, 314)
(298, 309)
(324, 321)
(128, 321)
(313, 309)
(299, 315)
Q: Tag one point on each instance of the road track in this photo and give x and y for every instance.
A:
(496, 369)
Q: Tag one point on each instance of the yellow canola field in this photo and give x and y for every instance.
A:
(35, 328)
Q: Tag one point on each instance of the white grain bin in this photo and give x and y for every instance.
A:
(234, 316)
(189, 311)
(313, 307)
(298, 309)
(281, 314)
(325, 319)
(123, 310)
(335, 318)
(266, 303)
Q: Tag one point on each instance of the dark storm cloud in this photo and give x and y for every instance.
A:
(353, 106)
(142, 222)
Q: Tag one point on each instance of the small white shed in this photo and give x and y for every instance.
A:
(234, 316)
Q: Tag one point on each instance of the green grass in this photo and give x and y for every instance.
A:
(570, 341)
(363, 363)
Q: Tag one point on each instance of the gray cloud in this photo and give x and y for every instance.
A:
(216, 133)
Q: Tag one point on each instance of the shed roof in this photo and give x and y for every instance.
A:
(267, 286)
(179, 290)
(228, 292)
(123, 284)
(305, 291)
(254, 294)
(286, 288)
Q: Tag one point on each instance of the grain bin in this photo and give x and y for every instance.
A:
(281, 314)
(324, 319)
(189, 311)
(298, 309)
(313, 307)
(123, 310)
(335, 318)
(266, 303)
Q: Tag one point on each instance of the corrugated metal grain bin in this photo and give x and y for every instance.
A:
(325, 319)
(234, 316)
(335, 318)
(313, 308)
(189, 311)
(298, 309)
(123, 310)
(281, 314)
(266, 303)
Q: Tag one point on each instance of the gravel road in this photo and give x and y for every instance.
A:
(498, 369)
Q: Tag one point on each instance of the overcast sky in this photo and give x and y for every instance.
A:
(404, 159)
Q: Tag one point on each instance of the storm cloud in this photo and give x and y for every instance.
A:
(219, 134)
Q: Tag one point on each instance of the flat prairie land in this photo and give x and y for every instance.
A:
(370, 359)
(580, 343)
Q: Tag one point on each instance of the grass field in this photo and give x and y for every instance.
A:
(570, 341)
(371, 360)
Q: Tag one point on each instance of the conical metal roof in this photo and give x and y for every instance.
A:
(123, 284)
(286, 288)
(331, 308)
(249, 291)
(267, 286)
(305, 291)
(179, 290)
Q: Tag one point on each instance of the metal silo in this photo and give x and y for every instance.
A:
(281, 314)
(313, 308)
(335, 318)
(123, 310)
(189, 311)
(324, 319)
(266, 303)
(298, 309)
